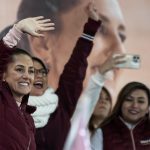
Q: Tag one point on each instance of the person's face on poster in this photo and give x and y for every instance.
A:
(109, 38)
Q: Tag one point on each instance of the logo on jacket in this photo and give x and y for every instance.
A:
(145, 142)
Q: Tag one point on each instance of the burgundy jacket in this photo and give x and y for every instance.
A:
(53, 135)
(16, 124)
(117, 136)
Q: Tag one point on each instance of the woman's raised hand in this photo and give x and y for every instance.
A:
(35, 26)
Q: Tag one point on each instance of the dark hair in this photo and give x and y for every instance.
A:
(91, 126)
(108, 93)
(19, 51)
(126, 90)
(15, 52)
(42, 63)
(47, 8)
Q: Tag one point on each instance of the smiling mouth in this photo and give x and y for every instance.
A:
(102, 107)
(38, 85)
(24, 83)
(133, 112)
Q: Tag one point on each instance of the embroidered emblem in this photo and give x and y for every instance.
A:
(145, 142)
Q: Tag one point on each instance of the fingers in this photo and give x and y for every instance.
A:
(111, 63)
(43, 29)
(47, 25)
(35, 26)
(119, 59)
(39, 25)
(44, 24)
(38, 17)
(119, 62)
(41, 20)
(92, 11)
(44, 21)
(38, 33)
(119, 56)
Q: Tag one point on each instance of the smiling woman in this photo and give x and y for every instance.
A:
(19, 74)
(110, 39)
(101, 111)
(129, 126)
(16, 80)
(41, 77)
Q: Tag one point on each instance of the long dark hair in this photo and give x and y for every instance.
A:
(126, 90)
(47, 8)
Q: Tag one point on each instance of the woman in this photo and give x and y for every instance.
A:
(42, 96)
(52, 118)
(129, 126)
(16, 79)
(69, 17)
(102, 110)
(78, 137)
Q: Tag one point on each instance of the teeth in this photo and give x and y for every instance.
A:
(133, 111)
(24, 84)
(38, 82)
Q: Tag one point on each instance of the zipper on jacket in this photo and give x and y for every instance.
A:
(29, 144)
(133, 141)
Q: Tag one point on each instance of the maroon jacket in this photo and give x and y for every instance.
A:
(53, 135)
(16, 124)
(117, 136)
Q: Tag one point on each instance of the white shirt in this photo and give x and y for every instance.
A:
(78, 138)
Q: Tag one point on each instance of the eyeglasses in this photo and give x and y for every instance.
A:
(41, 72)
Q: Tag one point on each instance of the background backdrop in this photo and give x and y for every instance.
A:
(137, 17)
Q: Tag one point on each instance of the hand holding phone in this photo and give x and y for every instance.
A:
(132, 61)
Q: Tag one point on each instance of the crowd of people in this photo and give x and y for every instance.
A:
(71, 116)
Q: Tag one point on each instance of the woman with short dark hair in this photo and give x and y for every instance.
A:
(16, 79)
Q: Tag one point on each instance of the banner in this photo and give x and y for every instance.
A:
(69, 17)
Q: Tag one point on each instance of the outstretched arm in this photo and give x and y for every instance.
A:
(33, 26)
(70, 84)
(78, 135)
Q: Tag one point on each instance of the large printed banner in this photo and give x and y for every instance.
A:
(69, 17)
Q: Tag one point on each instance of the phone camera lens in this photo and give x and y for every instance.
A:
(136, 58)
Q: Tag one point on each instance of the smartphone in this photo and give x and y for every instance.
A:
(133, 61)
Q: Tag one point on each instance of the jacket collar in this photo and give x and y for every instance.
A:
(24, 107)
